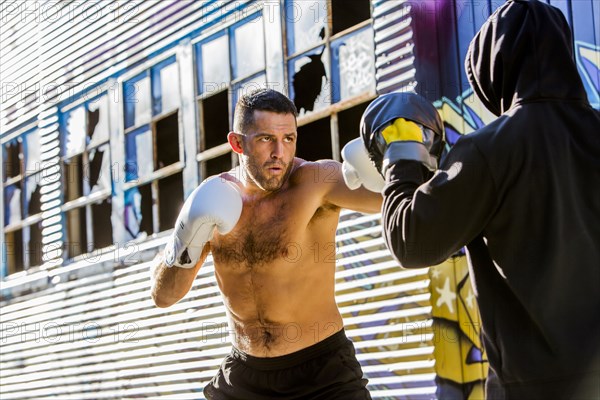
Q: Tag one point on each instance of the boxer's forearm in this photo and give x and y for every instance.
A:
(169, 285)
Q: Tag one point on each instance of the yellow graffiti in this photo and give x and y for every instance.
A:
(459, 353)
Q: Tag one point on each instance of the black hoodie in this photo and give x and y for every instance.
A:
(523, 195)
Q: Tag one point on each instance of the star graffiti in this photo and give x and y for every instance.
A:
(447, 296)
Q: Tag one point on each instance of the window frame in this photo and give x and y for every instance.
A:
(335, 107)
(147, 69)
(25, 222)
(85, 201)
(204, 155)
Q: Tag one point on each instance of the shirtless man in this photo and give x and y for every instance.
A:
(274, 253)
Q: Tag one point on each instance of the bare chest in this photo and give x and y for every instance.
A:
(265, 232)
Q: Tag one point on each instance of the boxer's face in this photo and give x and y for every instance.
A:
(269, 149)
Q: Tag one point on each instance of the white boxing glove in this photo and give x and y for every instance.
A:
(358, 169)
(216, 203)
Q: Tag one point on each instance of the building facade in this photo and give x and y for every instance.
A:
(113, 111)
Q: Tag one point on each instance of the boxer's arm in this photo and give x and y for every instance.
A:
(426, 221)
(336, 192)
(169, 285)
(215, 204)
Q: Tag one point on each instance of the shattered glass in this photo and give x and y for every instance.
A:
(133, 212)
(75, 131)
(12, 204)
(138, 211)
(33, 195)
(98, 171)
(310, 86)
(139, 154)
(11, 163)
(98, 122)
(306, 21)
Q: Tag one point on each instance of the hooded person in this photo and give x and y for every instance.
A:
(522, 195)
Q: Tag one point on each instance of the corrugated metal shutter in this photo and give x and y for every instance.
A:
(97, 334)
(19, 63)
(394, 58)
(386, 310)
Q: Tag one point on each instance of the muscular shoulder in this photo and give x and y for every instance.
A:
(316, 179)
(318, 173)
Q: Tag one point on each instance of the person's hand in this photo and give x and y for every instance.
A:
(216, 203)
(402, 126)
(358, 169)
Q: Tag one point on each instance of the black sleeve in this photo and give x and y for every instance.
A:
(425, 222)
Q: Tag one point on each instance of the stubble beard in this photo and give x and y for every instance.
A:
(263, 180)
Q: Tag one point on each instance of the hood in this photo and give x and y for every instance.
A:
(523, 52)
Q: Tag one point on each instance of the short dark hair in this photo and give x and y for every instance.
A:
(260, 100)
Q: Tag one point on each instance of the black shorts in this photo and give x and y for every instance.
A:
(325, 371)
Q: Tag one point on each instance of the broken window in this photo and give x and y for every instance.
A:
(87, 176)
(12, 158)
(138, 211)
(346, 14)
(306, 23)
(98, 172)
(139, 154)
(33, 196)
(98, 122)
(102, 228)
(215, 120)
(330, 52)
(314, 140)
(309, 86)
(214, 127)
(75, 135)
(22, 202)
(167, 141)
(152, 150)
(170, 200)
(12, 204)
(235, 54)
